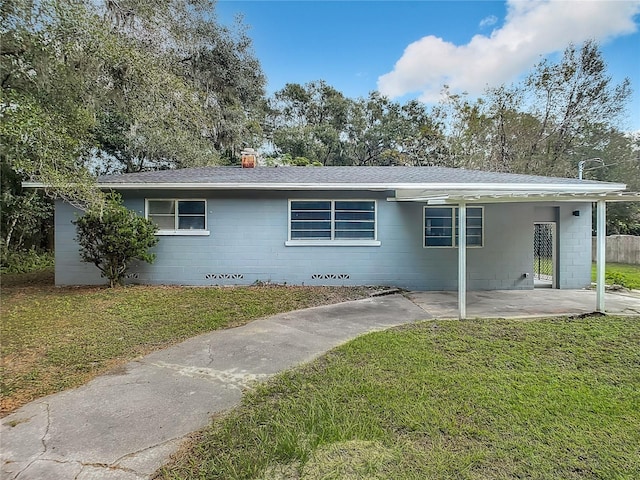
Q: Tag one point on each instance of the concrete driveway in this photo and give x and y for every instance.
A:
(126, 424)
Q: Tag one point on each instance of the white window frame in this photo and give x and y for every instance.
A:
(177, 231)
(454, 226)
(333, 242)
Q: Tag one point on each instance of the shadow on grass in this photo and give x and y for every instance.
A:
(41, 278)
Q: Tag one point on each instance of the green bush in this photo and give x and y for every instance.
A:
(625, 275)
(26, 261)
(112, 237)
(617, 278)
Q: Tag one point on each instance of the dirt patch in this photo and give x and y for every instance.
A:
(582, 316)
(353, 459)
(41, 278)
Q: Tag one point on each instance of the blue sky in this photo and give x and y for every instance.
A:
(409, 49)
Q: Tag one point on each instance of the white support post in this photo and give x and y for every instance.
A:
(601, 238)
(462, 261)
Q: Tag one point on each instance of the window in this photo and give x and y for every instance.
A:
(187, 217)
(440, 223)
(332, 221)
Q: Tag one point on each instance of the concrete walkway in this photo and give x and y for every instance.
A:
(126, 424)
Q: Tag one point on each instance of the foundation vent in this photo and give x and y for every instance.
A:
(224, 276)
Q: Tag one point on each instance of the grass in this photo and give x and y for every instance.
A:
(496, 399)
(620, 274)
(57, 338)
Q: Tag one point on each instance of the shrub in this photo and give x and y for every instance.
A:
(114, 236)
(26, 261)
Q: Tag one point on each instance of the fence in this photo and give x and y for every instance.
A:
(620, 249)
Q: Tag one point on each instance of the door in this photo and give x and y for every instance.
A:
(544, 255)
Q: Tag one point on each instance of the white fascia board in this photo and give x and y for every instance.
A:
(403, 191)
(505, 188)
(588, 198)
(523, 198)
(623, 197)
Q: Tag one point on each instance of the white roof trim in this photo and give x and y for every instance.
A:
(504, 197)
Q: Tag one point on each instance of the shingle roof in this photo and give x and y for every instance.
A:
(371, 177)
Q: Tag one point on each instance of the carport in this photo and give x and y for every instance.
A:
(547, 194)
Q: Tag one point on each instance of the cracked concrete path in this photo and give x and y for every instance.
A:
(124, 425)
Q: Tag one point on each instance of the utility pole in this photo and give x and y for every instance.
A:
(582, 163)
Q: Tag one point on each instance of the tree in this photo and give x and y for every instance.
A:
(134, 84)
(309, 121)
(318, 122)
(566, 97)
(47, 110)
(184, 91)
(24, 214)
(537, 126)
(620, 162)
(421, 138)
(288, 160)
(112, 237)
(466, 128)
(372, 129)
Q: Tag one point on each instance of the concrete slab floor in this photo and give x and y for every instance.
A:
(525, 303)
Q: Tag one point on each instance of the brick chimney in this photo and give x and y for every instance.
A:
(249, 158)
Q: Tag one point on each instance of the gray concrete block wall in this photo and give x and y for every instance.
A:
(247, 244)
(574, 248)
(69, 267)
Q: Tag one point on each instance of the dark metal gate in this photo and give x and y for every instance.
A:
(544, 254)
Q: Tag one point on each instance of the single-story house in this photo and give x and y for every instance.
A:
(395, 226)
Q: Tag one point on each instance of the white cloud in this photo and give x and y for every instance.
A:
(532, 29)
(488, 21)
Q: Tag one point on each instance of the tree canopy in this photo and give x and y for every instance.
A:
(121, 87)
(543, 125)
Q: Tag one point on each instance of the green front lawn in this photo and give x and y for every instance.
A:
(57, 338)
(542, 399)
(621, 274)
